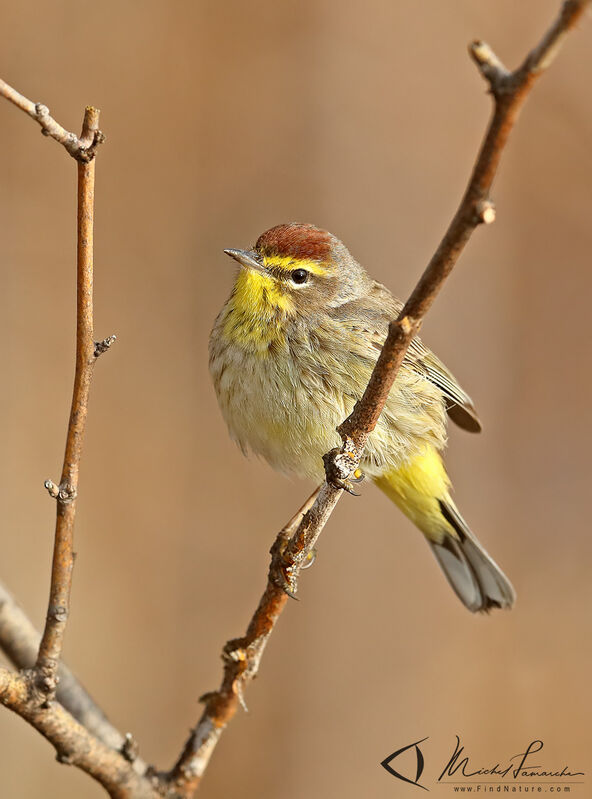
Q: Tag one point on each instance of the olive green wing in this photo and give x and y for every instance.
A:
(377, 309)
(459, 405)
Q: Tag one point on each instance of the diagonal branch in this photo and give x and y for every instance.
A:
(509, 91)
(242, 656)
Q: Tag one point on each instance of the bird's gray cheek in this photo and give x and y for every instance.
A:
(341, 293)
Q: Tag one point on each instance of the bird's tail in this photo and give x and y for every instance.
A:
(420, 488)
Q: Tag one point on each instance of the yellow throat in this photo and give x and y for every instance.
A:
(257, 311)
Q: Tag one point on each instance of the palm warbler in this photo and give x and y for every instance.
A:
(291, 352)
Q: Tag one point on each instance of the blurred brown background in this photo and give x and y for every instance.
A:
(222, 120)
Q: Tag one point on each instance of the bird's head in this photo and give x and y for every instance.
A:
(296, 269)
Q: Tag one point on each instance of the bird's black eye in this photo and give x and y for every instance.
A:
(299, 275)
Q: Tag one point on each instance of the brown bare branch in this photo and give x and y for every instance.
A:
(50, 649)
(82, 149)
(74, 724)
(509, 91)
(242, 656)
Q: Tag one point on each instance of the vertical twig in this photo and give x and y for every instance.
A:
(50, 648)
(77, 728)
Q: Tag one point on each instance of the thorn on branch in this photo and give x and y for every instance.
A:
(104, 345)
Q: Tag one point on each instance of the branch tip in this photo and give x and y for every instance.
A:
(489, 65)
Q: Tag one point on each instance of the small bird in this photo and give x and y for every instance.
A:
(292, 351)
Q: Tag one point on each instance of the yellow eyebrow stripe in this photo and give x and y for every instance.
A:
(289, 262)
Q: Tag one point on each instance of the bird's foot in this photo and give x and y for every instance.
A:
(342, 467)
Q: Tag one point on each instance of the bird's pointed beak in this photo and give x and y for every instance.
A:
(247, 259)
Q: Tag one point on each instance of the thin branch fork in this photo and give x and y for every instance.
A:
(82, 149)
(242, 656)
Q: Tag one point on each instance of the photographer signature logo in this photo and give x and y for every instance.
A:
(387, 763)
(459, 769)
